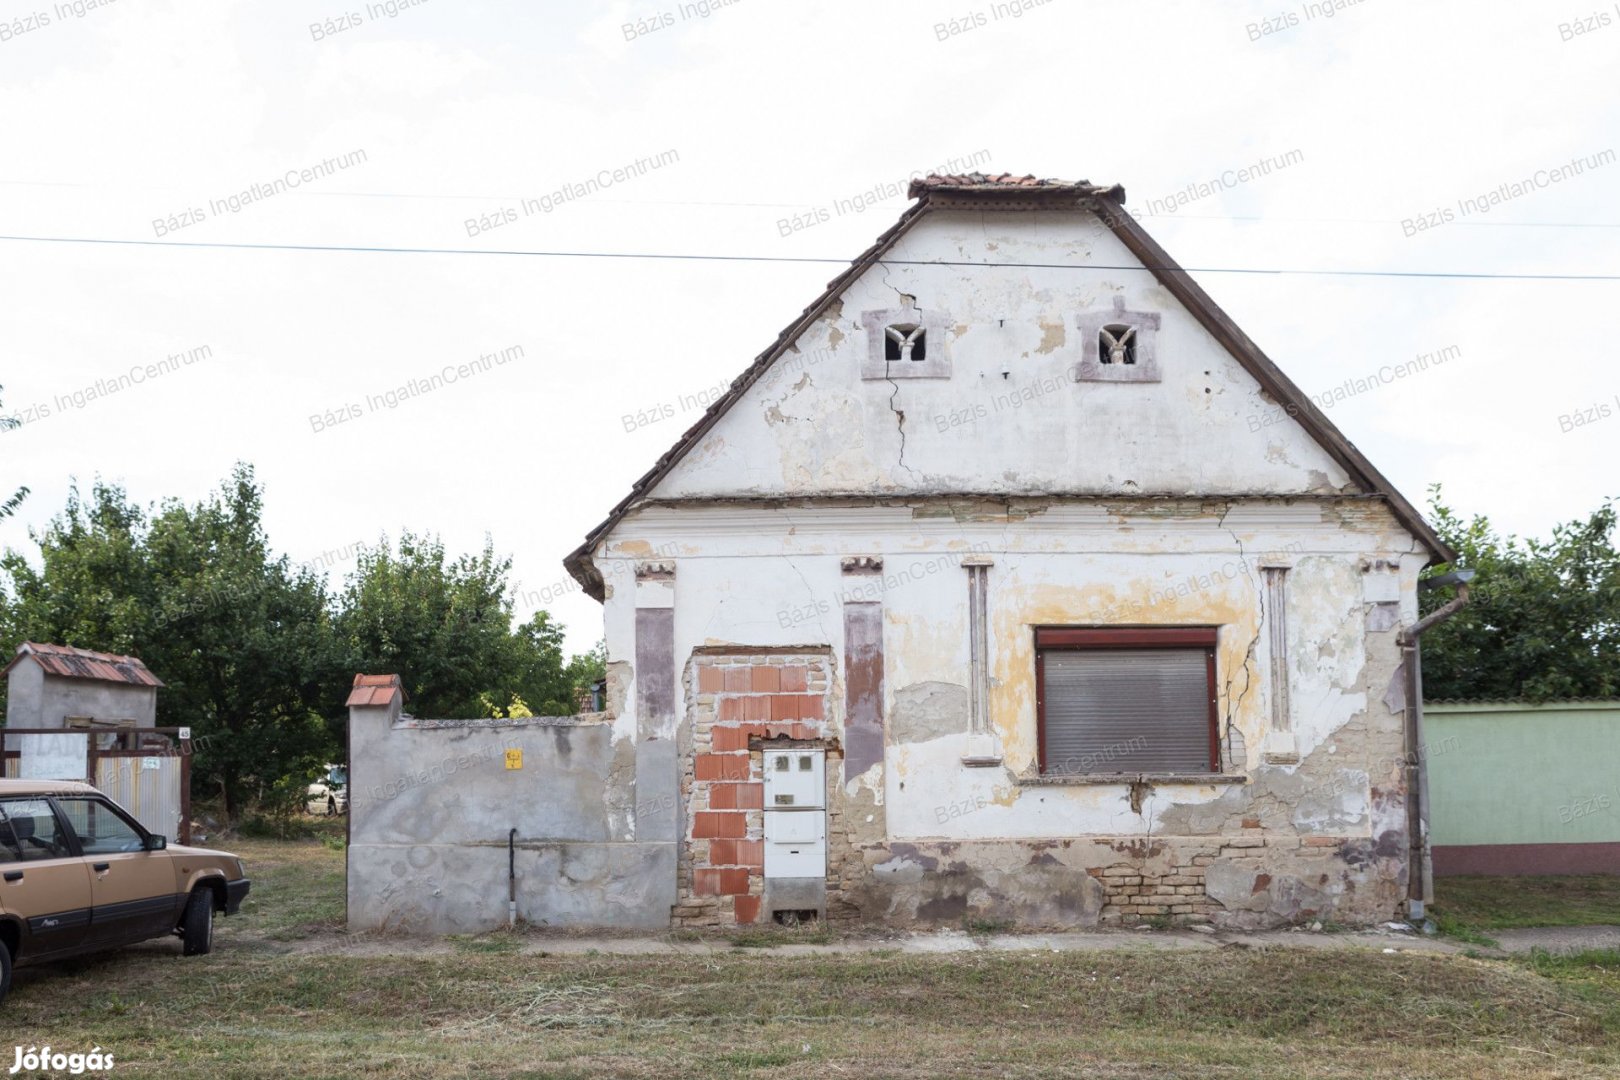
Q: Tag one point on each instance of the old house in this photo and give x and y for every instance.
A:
(1012, 582)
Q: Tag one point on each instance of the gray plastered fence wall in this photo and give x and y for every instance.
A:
(432, 804)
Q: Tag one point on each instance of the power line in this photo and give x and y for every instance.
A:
(804, 203)
(675, 256)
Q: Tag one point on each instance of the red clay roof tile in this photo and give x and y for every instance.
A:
(375, 690)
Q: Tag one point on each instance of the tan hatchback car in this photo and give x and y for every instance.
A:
(78, 874)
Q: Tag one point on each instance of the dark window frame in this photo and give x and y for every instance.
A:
(9, 843)
(1088, 638)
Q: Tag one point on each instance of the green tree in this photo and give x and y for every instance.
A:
(9, 507)
(242, 641)
(445, 627)
(256, 654)
(1543, 620)
(584, 669)
(93, 588)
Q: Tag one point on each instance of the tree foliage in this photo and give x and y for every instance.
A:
(445, 627)
(1543, 619)
(242, 641)
(10, 505)
(256, 653)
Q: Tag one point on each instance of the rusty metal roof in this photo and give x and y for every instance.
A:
(1005, 191)
(375, 690)
(67, 662)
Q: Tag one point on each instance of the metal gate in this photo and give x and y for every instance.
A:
(145, 770)
(148, 785)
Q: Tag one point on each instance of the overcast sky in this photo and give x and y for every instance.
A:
(450, 124)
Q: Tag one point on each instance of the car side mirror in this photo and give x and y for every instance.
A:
(156, 843)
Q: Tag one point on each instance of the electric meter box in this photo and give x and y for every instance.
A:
(795, 814)
(795, 779)
(795, 844)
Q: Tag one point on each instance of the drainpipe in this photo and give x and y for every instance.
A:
(511, 879)
(1417, 773)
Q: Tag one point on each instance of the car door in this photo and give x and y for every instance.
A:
(132, 890)
(43, 882)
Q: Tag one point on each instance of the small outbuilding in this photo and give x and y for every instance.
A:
(59, 686)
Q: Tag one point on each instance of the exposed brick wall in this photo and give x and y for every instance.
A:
(1171, 883)
(1136, 893)
(733, 699)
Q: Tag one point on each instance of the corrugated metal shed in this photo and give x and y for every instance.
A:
(67, 662)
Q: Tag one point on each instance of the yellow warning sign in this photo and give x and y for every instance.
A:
(514, 759)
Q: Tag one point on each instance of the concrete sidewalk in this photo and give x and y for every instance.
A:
(1557, 939)
(942, 942)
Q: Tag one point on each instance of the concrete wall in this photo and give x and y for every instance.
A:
(1524, 789)
(432, 804)
(35, 699)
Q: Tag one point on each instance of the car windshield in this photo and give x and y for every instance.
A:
(338, 775)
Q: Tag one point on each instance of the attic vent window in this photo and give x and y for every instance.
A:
(912, 341)
(1116, 344)
(906, 341)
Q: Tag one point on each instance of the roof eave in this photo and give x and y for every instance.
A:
(1209, 314)
(579, 561)
(25, 653)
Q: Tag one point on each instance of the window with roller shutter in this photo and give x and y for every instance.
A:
(1128, 700)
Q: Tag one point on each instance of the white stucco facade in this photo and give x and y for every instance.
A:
(822, 498)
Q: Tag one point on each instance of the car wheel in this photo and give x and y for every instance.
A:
(5, 970)
(197, 925)
(331, 807)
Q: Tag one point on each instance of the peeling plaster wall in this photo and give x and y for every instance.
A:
(1327, 833)
(1011, 418)
(1096, 503)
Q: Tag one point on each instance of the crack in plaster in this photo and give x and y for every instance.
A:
(906, 300)
(809, 592)
(1259, 628)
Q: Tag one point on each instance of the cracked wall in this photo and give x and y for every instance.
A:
(1095, 504)
(1010, 417)
(1319, 838)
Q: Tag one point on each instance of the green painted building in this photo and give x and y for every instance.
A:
(1516, 788)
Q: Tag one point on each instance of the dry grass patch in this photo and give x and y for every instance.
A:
(1240, 1013)
(260, 1007)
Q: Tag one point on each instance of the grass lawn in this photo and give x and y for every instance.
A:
(266, 1004)
(1505, 903)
